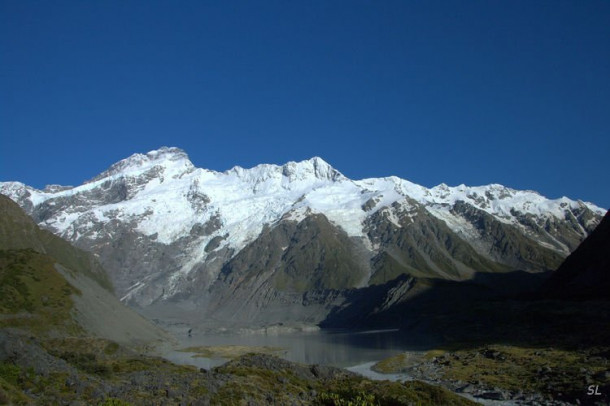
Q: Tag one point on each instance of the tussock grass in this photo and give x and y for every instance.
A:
(542, 370)
(551, 372)
(33, 295)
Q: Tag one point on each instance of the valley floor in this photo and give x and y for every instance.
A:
(85, 371)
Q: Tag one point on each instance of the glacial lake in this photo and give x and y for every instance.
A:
(355, 351)
(335, 348)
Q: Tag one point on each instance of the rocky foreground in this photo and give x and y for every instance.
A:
(521, 375)
(93, 371)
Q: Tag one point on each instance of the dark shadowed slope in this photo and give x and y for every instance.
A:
(585, 273)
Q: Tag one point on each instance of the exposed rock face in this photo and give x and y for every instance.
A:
(292, 270)
(422, 245)
(506, 244)
(272, 242)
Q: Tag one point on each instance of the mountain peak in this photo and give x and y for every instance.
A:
(166, 157)
(167, 152)
(315, 166)
(309, 169)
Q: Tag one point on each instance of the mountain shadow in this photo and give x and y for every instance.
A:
(567, 308)
(585, 274)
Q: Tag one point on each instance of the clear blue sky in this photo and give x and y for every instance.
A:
(474, 92)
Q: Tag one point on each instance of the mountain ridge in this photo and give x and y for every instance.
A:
(488, 197)
(168, 231)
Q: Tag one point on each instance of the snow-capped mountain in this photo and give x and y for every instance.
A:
(166, 230)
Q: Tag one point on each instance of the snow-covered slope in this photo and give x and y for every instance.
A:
(160, 199)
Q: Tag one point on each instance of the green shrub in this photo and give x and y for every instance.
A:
(111, 348)
(10, 373)
(347, 399)
(114, 402)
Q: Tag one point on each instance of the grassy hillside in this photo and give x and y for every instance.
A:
(33, 294)
(18, 231)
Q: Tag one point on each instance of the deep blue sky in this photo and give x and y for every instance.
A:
(470, 92)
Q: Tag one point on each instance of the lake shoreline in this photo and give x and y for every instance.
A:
(349, 351)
